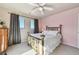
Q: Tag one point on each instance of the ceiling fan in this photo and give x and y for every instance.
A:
(42, 7)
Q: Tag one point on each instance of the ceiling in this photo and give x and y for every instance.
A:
(25, 8)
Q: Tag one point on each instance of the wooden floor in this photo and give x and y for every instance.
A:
(61, 50)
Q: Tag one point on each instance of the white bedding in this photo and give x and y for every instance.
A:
(50, 41)
(37, 35)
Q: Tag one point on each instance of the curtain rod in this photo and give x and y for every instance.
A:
(21, 15)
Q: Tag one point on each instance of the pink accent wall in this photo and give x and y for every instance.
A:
(69, 21)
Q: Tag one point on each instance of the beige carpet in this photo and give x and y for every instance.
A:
(18, 49)
(65, 50)
(22, 48)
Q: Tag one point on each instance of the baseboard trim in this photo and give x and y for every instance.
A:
(70, 45)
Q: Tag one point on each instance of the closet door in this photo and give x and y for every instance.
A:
(78, 32)
(78, 41)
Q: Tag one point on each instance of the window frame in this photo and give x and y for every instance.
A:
(30, 24)
(24, 22)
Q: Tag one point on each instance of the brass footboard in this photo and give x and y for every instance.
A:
(36, 43)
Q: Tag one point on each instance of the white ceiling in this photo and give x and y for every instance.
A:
(26, 8)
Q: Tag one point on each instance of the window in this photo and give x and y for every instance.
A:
(21, 21)
(32, 24)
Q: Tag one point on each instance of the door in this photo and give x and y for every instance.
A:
(78, 32)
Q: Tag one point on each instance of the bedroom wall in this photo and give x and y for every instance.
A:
(68, 19)
(6, 17)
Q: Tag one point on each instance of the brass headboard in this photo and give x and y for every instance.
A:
(55, 28)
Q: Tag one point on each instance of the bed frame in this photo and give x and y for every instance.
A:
(55, 28)
(38, 44)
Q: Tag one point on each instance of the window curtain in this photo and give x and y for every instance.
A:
(14, 33)
(36, 26)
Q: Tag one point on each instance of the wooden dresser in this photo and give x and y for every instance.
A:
(3, 39)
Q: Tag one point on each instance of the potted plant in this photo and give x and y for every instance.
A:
(1, 23)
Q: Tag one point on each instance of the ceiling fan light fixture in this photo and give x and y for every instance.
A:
(40, 8)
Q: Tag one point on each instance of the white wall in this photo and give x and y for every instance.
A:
(5, 16)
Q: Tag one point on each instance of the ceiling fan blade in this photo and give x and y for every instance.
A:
(34, 4)
(41, 10)
(42, 4)
(48, 8)
(33, 10)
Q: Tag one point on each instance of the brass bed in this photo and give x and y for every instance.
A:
(38, 43)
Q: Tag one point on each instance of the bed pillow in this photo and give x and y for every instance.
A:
(50, 32)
